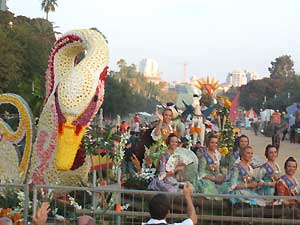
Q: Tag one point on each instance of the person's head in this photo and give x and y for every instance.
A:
(172, 141)
(246, 154)
(167, 115)
(5, 221)
(198, 144)
(128, 144)
(290, 166)
(271, 152)
(243, 141)
(86, 220)
(159, 206)
(212, 142)
(132, 132)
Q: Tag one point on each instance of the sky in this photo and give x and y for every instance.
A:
(213, 37)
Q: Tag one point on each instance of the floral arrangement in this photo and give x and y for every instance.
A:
(118, 153)
(226, 133)
(155, 150)
(74, 93)
(98, 140)
(9, 138)
(12, 201)
(141, 180)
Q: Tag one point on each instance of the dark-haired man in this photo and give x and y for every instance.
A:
(159, 208)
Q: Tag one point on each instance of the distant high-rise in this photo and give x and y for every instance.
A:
(237, 78)
(149, 68)
(3, 6)
(251, 76)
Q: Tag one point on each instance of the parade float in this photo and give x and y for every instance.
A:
(67, 146)
(74, 93)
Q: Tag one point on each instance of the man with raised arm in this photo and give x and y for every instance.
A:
(159, 208)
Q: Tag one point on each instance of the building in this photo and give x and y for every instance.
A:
(237, 78)
(149, 68)
(3, 6)
(251, 76)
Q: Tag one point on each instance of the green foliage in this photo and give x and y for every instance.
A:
(120, 98)
(48, 6)
(127, 91)
(25, 45)
(282, 67)
(231, 93)
(279, 93)
(98, 138)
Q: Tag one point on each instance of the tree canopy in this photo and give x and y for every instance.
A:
(276, 92)
(282, 67)
(128, 91)
(48, 6)
(25, 46)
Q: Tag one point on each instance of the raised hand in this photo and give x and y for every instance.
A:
(160, 116)
(41, 216)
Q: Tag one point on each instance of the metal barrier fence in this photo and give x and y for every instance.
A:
(112, 205)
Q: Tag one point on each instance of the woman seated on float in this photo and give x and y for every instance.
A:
(287, 185)
(210, 176)
(165, 180)
(234, 157)
(242, 181)
(163, 129)
(269, 172)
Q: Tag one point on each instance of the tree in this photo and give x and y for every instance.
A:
(48, 6)
(282, 67)
(24, 50)
(123, 68)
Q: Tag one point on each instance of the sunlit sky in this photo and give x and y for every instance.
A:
(213, 37)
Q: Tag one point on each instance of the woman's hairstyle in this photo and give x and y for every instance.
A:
(268, 147)
(243, 150)
(209, 137)
(290, 159)
(167, 109)
(243, 136)
(169, 138)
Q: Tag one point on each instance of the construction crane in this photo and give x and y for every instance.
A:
(184, 64)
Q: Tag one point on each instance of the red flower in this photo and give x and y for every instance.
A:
(101, 131)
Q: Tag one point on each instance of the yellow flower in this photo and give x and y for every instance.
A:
(214, 113)
(227, 103)
(223, 151)
(236, 130)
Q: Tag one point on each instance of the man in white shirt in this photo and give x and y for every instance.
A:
(159, 208)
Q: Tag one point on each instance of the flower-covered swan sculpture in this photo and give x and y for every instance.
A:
(74, 93)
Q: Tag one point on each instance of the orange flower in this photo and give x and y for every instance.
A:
(118, 207)
(5, 211)
(192, 130)
(16, 217)
(198, 130)
(214, 113)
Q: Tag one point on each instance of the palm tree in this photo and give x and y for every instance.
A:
(49, 6)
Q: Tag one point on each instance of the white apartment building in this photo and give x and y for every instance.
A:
(149, 68)
(237, 78)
